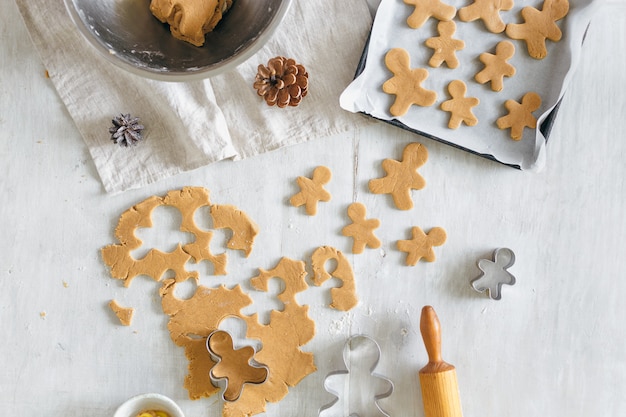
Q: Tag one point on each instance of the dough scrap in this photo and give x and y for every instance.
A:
(539, 26)
(312, 190)
(496, 66)
(402, 176)
(445, 46)
(187, 200)
(361, 230)
(459, 106)
(282, 338)
(123, 314)
(520, 115)
(192, 320)
(344, 297)
(425, 9)
(421, 245)
(406, 83)
(244, 230)
(190, 20)
(488, 11)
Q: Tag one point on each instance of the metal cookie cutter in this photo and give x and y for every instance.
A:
(358, 389)
(494, 273)
(234, 368)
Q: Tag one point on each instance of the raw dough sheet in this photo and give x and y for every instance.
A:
(549, 77)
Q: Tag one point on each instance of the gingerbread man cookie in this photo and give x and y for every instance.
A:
(425, 9)
(361, 229)
(312, 190)
(402, 176)
(496, 66)
(488, 11)
(520, 115)
(421, 244)
(539, 26)
(459, 106)
(445, 46)
(406, 83)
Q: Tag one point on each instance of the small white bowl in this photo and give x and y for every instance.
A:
(143, 402)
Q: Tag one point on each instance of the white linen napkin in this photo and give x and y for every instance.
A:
(192, 124)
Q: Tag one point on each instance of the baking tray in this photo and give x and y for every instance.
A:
(566, 55)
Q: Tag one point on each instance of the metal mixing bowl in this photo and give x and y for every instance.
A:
(127, 34)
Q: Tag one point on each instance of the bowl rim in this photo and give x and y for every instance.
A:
(132, 406)
(179, 76)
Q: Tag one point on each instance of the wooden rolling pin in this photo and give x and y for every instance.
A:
(440, 390)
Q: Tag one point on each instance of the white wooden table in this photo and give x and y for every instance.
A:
(555, 345)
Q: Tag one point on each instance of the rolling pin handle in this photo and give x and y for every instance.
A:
(431, 333)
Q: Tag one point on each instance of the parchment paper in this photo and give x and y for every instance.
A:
(548, 77)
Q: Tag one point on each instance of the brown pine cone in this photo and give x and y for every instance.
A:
(282, 82)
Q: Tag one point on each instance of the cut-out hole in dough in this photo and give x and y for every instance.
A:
(268, 300)
(237, 329)
(330, 266)
(186, 289)
(164, 235)
(219, 240)
(202, 218)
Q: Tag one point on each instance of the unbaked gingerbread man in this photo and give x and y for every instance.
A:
(488, 11)
(459, 106)
(425, 9)
(312, 190)
(361, 229)
(445, 46)
(402, 176)
(421, 244)
(520, 115)
(539, 26)
(496, 66)
(406, 83)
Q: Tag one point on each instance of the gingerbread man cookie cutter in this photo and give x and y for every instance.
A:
(357, 384)
(234, 368)
(494, 273)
